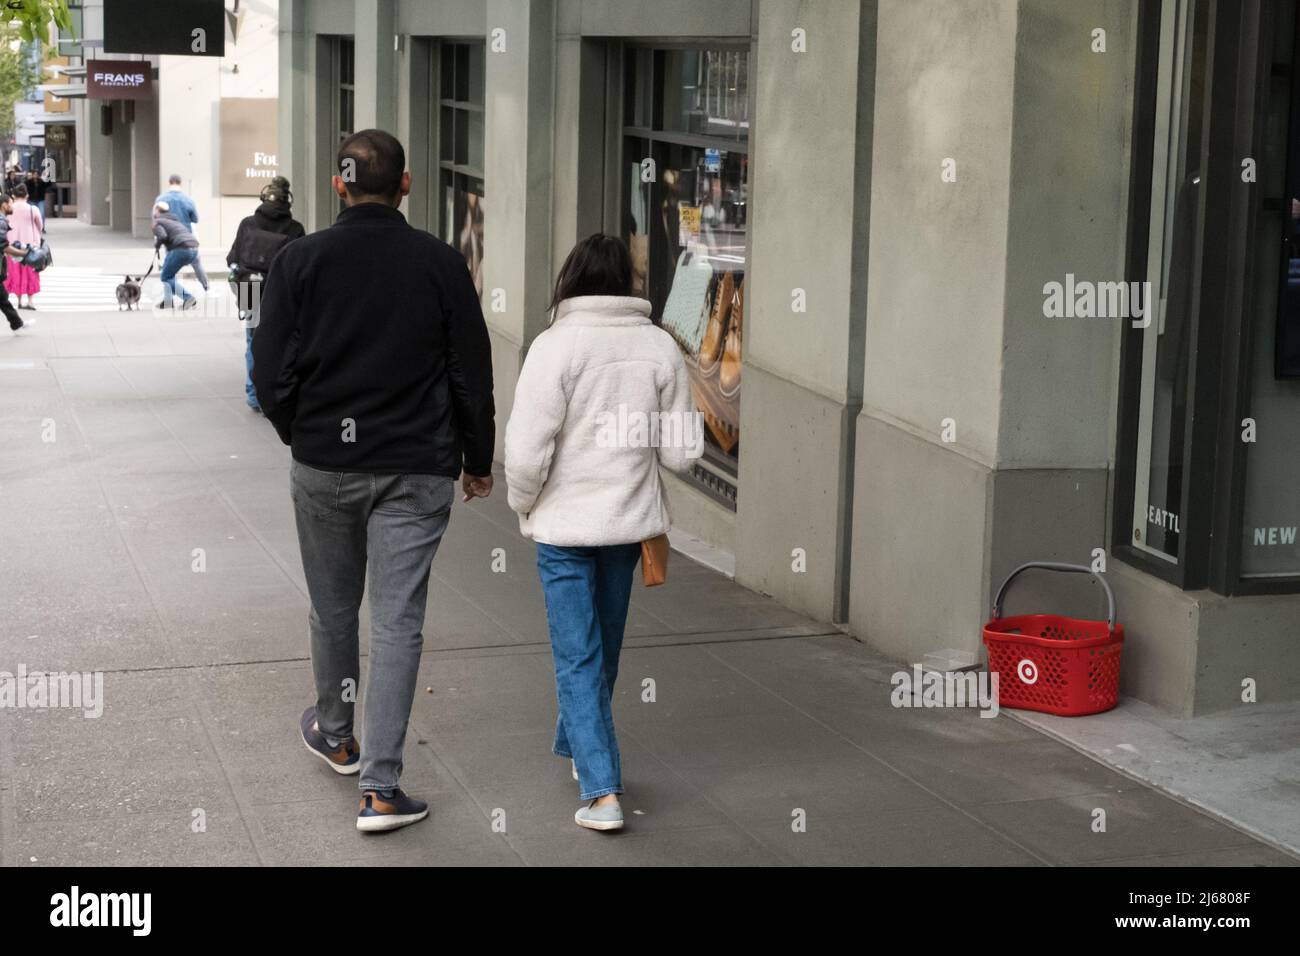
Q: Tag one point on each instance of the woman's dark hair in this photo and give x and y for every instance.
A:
(20, 191)
(598, 265)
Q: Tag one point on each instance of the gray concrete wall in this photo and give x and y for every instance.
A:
(442, 18)
(1242, 638)
(145, 175)
(1038, 127)
(922, 515)
(579, 139)
(94, 164)
(517, 264)
(330, 16)
(810, 172)
(672, 18)
(297, 94)
(120, 212)
(94, 154)
(376, 64)
(1067, 214)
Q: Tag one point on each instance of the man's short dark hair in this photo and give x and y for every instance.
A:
(371, 163)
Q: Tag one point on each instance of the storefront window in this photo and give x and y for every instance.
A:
(1270, 543)
(1209, 405)
(460, 151)
(686, 125)
(1177, 194)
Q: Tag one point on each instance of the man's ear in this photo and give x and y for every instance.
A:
(405, 188)
(340, 186)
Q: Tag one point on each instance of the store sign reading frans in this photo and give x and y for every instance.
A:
(119, 80)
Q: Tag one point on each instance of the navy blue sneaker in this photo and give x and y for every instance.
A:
(345, 758)
(388, 810)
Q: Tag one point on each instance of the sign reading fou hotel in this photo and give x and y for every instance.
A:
(119, 80)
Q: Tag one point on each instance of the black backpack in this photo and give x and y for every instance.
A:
(255, 249)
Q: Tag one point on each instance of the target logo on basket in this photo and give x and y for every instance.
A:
(1027, 671)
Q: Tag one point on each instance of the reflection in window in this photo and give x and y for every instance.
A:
(460, 151)
(1271, 504)
(685, 219)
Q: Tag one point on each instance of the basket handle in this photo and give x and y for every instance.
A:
(1056, 566)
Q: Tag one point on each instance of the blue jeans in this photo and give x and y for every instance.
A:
(587, 593)
(249, 391)
(389, 526)
(177, 259)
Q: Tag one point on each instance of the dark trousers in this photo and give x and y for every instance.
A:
(7, 307)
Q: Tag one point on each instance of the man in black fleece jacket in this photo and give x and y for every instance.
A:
(372, 361)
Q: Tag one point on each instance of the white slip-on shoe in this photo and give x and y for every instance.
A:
(608, 817)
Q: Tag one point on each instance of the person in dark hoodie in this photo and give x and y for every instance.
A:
(181, 247)
(258, 240)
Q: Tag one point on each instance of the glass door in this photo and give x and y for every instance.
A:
(1173, 270)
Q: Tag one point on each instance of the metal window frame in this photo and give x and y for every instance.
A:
(1221, 327)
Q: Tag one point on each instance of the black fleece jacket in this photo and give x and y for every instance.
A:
(372, 355)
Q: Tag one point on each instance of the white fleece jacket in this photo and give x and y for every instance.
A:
(586, 434)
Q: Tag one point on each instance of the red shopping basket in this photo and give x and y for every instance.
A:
(1059, 665)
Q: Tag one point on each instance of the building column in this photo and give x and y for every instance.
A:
(94, 162)
(805, 300)
(146, 178)
(376, 64)
(121, 211)
(517, 183)
(579, 132)
(296, 93)
(986, 427)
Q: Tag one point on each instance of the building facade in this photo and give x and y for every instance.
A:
(960, 284)
(123, 150)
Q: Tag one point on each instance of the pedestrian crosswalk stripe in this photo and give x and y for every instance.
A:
(82, 289)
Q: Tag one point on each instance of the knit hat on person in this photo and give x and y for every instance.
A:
(277, 190)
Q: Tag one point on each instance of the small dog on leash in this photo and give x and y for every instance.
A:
(128, 293)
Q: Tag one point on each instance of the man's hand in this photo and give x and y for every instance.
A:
(475, 487)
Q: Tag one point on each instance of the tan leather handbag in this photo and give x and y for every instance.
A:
(654, 560)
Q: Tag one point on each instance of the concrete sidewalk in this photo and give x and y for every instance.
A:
(759, 717)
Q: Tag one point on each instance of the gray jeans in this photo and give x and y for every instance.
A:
(392, 524)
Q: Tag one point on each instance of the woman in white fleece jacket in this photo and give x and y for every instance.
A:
(602, 401)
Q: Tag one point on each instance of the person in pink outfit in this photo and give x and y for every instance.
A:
(26, 226)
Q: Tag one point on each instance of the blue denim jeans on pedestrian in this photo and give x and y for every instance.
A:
(249, 390)
(587, 593)
(176, 260)
(389, 527)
